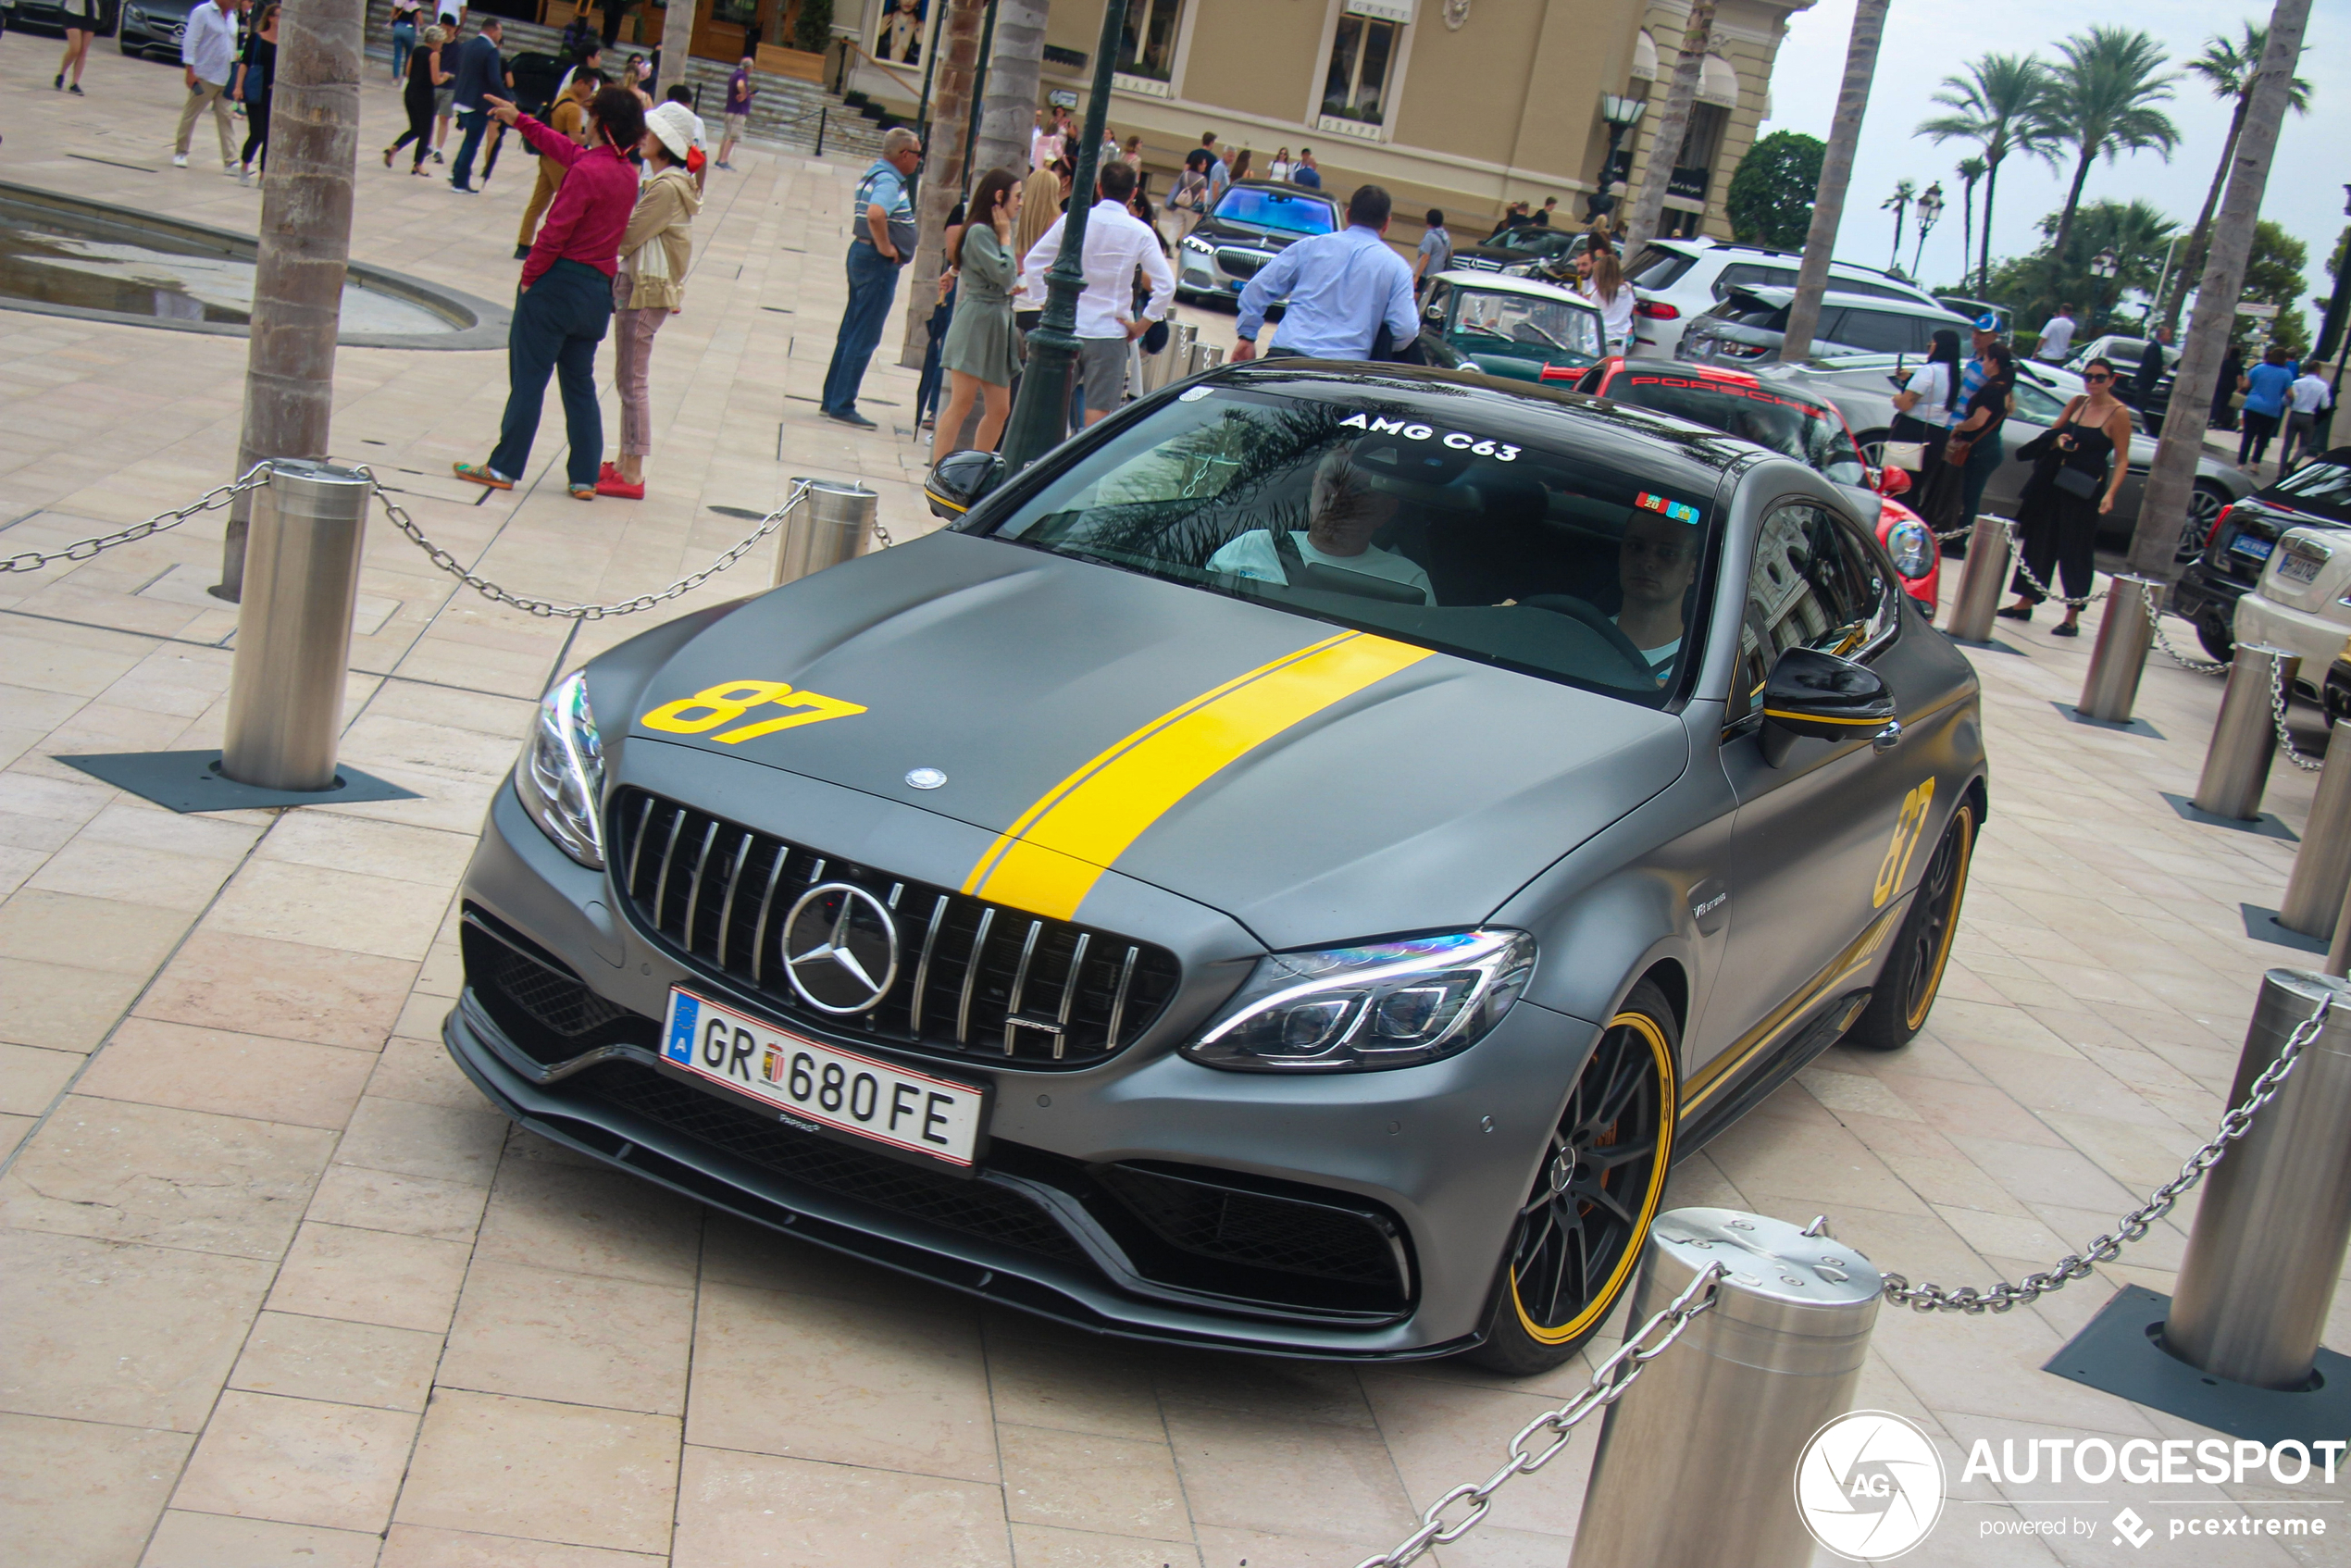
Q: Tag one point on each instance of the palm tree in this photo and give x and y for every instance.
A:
(2228, 70)
(1899, 203)
(1837, 174)
(2101, 104)
(1996, 104)
(1971, 171)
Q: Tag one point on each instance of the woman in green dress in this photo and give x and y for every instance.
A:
(981, 352)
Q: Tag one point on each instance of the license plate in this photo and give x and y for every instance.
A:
(2248, 545)
(2298, 568)
(817, 1086)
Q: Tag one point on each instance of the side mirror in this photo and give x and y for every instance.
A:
(1891, 481)
(1816, 695)
(1434, 316)
(958, 481)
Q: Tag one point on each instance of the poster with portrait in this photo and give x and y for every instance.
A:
(899, 39)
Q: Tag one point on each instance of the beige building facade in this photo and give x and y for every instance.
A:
(1460, 104)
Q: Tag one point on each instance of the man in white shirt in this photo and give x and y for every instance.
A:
(209, 60)
(1118, 244)
(2304, 401)
(1345, 510)
(2057, 337)
(1341, 287)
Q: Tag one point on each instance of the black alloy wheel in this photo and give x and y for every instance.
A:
(1579, 1235)
(1914, 973)
(2204, 503)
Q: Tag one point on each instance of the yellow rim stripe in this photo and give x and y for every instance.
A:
(1049, 860)
(1606, 1297)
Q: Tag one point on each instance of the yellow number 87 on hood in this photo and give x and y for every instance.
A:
(715, 705)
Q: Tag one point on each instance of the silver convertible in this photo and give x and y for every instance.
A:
(1291, 870)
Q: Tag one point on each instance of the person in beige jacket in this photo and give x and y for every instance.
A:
(650, 286)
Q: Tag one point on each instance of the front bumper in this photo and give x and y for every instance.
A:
(2202, 592)
(1440, 1155)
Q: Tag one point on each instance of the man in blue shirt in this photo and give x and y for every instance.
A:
(1342, 288)
(482, 75)
(1984, 457)
(884, 241)
(2265, 386)
(1306, 174)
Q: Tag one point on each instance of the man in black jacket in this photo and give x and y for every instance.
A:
(2151, 365)
(481, 74)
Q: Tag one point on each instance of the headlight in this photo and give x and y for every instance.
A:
(1519, 270)
(562, 773)
(1198, 245)
(1360, 1009)
(1912, 548)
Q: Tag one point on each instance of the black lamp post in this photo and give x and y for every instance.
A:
(1040, 415)
(2103, 266)
(1623, 114)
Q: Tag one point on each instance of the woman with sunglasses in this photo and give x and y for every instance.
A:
(2078, 466)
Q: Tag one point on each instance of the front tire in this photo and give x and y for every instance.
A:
(2217, 636)
(1914, 973)
(1579, 1236)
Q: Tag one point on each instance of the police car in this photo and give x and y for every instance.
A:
(1291, 870)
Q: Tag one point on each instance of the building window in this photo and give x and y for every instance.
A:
(1362, 58)
(1147, 44)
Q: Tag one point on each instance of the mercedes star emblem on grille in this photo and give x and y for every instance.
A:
(840, 947)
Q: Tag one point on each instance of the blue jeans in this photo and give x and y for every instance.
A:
(873, 284)
(403, 43)
(558, 326)
(1982, 462)
(473, 123)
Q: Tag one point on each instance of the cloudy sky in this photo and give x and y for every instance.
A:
(1927, 39)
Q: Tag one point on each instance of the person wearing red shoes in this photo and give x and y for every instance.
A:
(649, 287)
(564, 303)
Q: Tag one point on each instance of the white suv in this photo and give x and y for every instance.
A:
(1675, 280)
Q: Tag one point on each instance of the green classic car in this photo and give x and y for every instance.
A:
(1512, 326)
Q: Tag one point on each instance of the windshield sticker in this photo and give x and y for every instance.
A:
(1460, 440)
(1680, 511)
(1191, 394)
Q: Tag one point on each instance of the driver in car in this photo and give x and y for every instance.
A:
(1347, 508)
(1654, 566)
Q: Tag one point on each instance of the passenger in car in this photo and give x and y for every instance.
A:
(1654, 566)
(1346, 509)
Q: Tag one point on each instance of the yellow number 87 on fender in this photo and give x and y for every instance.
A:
(713, 706)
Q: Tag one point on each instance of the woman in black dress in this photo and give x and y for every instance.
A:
(256, 74)
(2075, 475)
(424, 75)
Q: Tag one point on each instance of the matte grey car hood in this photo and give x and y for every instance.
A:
(1415, 800)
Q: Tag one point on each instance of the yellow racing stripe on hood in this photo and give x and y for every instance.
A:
(1049, 860)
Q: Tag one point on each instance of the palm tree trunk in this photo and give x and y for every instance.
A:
(2171, 481)
(2065, 223)
(957, 55)
(305, 245)
(1836, 173)
(1648, 205)
(1984, 272)
(2192, 264)
(1967, 230)
(1008, 104)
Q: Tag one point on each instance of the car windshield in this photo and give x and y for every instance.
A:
(1365, 514)
(2323, 486)
(1537, 242)
(1483, 320)
(1277, 210)
(1657, 267)
(1747, 310)
(1791, 427)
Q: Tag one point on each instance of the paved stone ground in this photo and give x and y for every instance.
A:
(280, 1289)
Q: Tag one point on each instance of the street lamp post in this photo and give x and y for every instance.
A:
(1622, 113)
(2103, 266)
(1930, 208)
(1041, 415)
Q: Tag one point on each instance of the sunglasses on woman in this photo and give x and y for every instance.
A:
(2097, 375)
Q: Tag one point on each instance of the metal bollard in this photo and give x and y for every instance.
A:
(1987, 564)
(293, 626)
(2271, 1229)
(1176, 359)
(2339, 949)
(2111, 687)
(1204, 358)
(2321, 876)
(1725, 1413)
(833, 523)
(2236, 765)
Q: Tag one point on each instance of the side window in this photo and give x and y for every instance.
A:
(1741, 275)
(1813, 585)
(1879, 331)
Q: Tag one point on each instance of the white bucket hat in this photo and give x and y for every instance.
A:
(673, 123)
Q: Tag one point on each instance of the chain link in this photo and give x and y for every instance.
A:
(491, 590)
(2163, 643)
(1927, 1297)
(2277, 717)
(2024, 569)
(88, 549)
(1608, 1385)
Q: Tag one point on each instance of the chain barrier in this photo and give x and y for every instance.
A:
(2163, 643)
(2025, 570)
(2277, 717)
(1608, 1385)
(1928, 1297)
(544, 607)
(89, 549)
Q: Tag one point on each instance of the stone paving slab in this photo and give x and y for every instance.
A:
(278, 1288)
